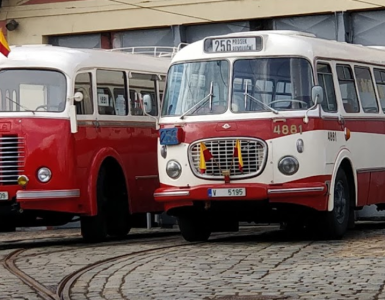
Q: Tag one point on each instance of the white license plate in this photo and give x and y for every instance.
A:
(235, 192)
(3, 196)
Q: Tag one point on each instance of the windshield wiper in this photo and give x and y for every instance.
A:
(201, 102)
(258, 101)
(18, 104)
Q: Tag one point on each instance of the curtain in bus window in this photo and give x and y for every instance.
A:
(141, 85)
(83, 84)
(366, 90)
(379, 75)
(111, 92)
(32, 90)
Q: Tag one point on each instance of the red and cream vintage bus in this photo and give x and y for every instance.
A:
(74, 139)
(272, 126)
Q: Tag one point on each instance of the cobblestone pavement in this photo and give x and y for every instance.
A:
(256, 263)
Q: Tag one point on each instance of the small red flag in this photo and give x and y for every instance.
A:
(204, 156)
(4, 47)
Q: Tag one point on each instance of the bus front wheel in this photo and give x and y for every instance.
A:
(194, 228)
(336, 221)
(94, 229)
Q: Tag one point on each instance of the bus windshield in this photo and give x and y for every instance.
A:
(32, 90)
(197, 88)
(265, 84)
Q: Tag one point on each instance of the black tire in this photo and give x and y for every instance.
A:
(335, 223)
(7, 226)
(94, 229)
(118, 218)
(194, 228)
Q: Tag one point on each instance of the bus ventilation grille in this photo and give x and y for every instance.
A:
(11, 159)
(254, 155)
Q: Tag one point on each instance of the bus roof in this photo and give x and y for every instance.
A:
(70, 60)
(284, 42)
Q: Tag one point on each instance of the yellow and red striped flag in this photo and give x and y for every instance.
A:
(4, 47)
(238, 153)
(205, 155)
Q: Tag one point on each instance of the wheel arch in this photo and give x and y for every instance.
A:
(109, 158)
(344, 161)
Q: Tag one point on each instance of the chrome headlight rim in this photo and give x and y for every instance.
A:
(176, 172)
(282, 164)
(44, 174)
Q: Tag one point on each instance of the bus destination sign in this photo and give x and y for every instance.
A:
(236, 44)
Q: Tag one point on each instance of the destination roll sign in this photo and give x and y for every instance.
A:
(233, 44)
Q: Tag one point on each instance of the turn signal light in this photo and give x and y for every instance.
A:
(22, 180)
(347, 134)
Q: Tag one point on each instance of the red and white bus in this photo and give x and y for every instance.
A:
(272, 126)
(74, 140)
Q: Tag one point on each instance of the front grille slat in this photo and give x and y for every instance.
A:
(12, 149)
(254, 155)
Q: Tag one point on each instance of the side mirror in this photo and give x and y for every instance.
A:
(317, 94)
(147, 103)
(78, 96)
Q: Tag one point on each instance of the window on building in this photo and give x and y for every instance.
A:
(83, 84)
(348, 89)
(141, 85)
(379, 75)
(111, 92)
(366, 90)
(325, 79)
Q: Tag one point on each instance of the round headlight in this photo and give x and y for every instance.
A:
(288, 165)
(163, 151)
(44, 174)
(173, 169)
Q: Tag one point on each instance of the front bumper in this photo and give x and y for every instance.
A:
(313, 194)
(49, 194)
(67, 201)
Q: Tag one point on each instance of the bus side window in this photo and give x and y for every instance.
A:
(348, 89)
(325, 79)
(142, 84)
(379, 76)
(366, 89)
(83, 84)
(111, 92)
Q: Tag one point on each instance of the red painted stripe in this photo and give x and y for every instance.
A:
(269, 129)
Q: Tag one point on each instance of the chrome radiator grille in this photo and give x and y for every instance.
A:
(11, 159)
(254, 155)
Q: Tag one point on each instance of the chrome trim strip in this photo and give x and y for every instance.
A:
(146, 177)
(124, 124)
(296, 190)
(47, 194)
(172, 194)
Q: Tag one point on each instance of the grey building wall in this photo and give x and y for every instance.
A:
(77, 41)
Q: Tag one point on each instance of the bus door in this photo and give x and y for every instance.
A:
(144, 137)
(86, 135)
